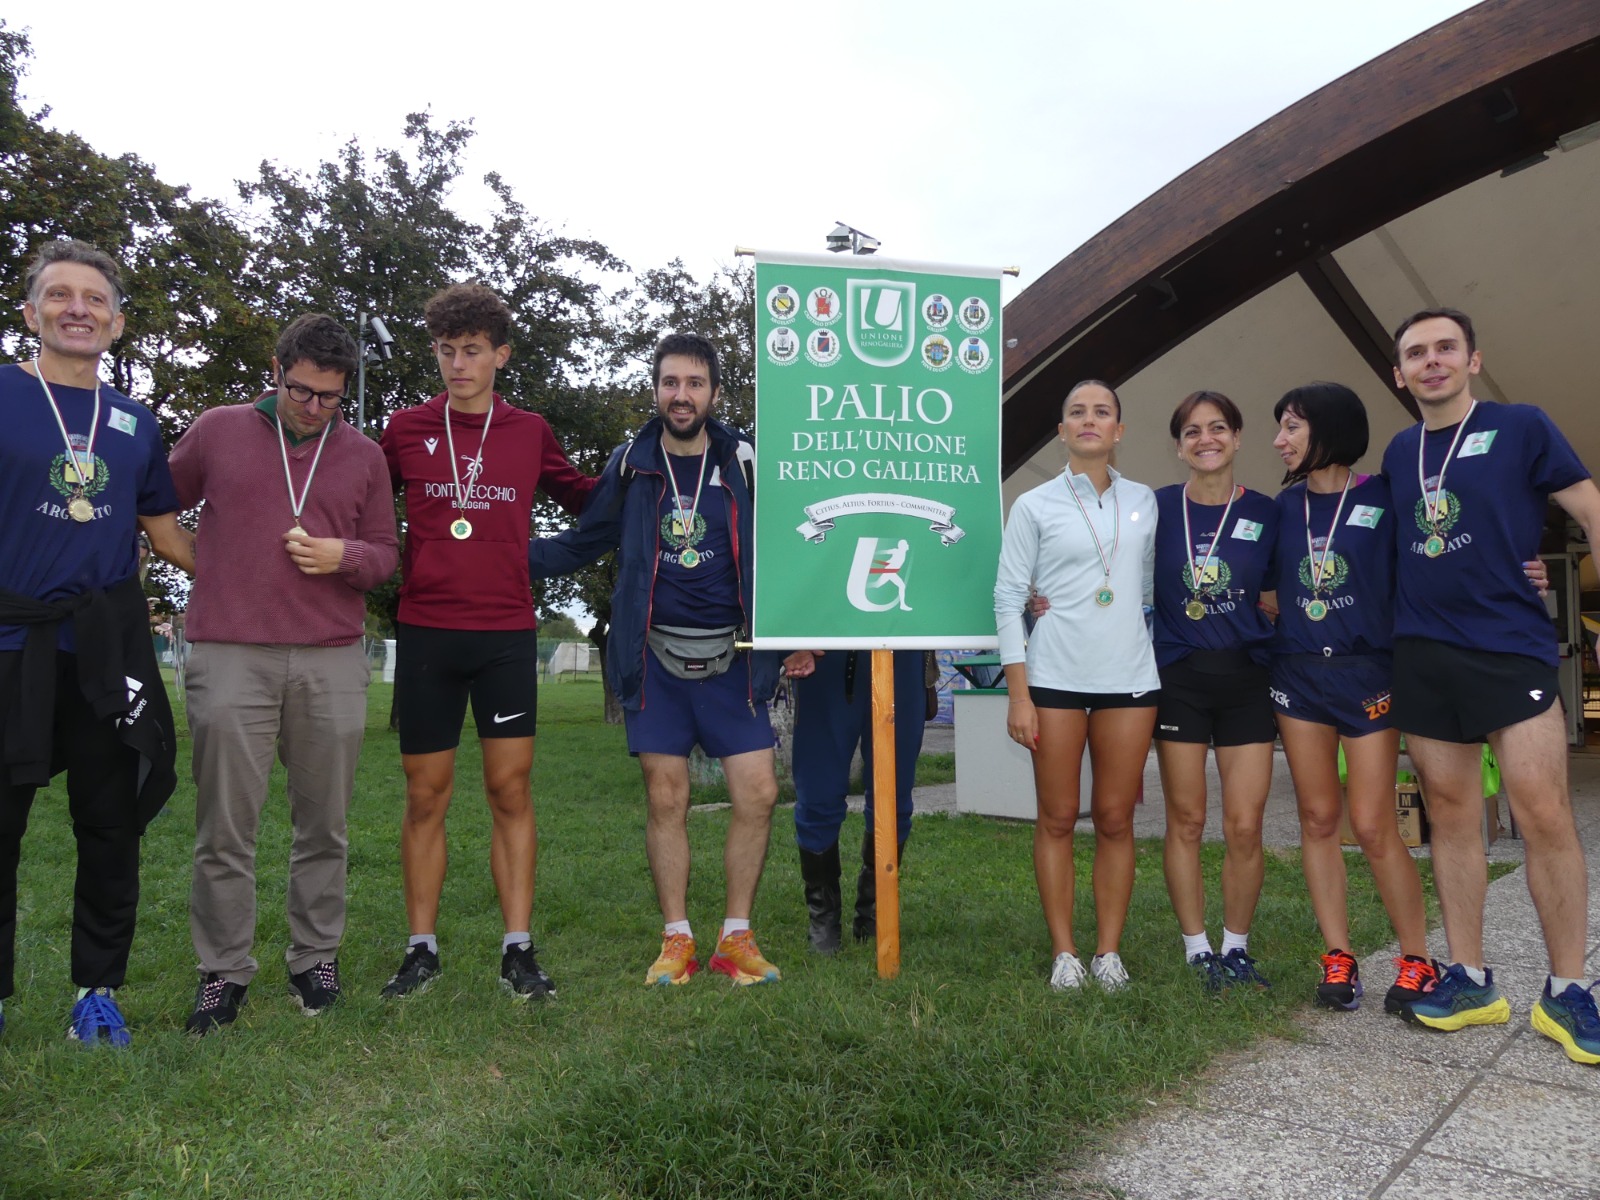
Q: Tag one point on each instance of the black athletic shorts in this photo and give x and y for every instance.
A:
(1219, 697)
(1044, 697)
(439, 669)
(1454, 695)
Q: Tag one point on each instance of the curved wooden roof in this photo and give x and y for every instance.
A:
(1485, 91)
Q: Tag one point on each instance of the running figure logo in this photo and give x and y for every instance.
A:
(877, 581)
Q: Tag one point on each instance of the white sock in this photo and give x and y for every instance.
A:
(673, 927)
(1475, 974)
(425, 939)
(733, 925)
(1558, 984)
(515, 939)
(1234, 941)
(1195, 944)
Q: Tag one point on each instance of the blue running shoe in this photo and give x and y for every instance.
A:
(1239, 970)
(1208, 967)
(1456, 1002)
(1571, 1020)
(97, 1018)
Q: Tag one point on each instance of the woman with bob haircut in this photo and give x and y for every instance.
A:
(1330, 679)
(1215, 548)
(1087, 674)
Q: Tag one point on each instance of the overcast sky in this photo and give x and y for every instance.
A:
(991, 134)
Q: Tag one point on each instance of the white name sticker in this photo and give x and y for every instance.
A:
(1247, 531)
(122, 421)
(1366, 516)
(1476, 443)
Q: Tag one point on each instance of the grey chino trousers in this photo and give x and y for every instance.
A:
(247, 704)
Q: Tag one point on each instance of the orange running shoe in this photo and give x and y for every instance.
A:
(738, 959)
(1413, 977)
(1341, 981)
(676, 963)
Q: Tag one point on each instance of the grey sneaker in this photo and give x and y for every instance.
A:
(1066, 973)
(317, 987)
(1108, 971)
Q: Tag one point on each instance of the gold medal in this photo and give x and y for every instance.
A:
(690, 558)
(79, 509)
(1194, 610)
(296, 531)
(1316, 610)
(1434, 546)
(461, 529)
(1104, 597)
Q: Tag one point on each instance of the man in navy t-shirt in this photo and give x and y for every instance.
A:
(675, 503)
(82, 469)
(1475, 659)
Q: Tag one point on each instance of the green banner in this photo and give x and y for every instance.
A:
(877, 453)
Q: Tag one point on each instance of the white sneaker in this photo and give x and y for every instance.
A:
(1066, 973)
(1109, 971)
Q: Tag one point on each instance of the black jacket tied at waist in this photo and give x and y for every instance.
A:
(117, 674)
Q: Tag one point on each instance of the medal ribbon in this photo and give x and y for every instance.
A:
(677, 501)
(296, 505)
(1188, 540)
(1432, 507)
(85, 465)
(1116, 535)
(477, 462)
(1327, 546)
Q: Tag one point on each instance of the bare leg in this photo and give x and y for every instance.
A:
(1119, 744)
(1371, 762)
(753, 791)
(1452, 783)
(1246, 778)
(1183, 785)
(666, 832)
(1057, 761)
(1533, 766)
(513, 836)
(429, 780)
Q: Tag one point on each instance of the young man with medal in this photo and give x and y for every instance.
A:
(469, 463)
(1215, 549)
(1475, 659)
(82, 470)
(1086, 677)
(676, 505)
(297, 526)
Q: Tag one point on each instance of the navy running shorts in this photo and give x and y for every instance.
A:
(716, 714)
(1348, 691)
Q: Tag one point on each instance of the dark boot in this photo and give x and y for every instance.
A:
(824, 901)
(865, 925)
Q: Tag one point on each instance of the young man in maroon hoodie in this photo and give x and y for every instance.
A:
(298, 524)
(469, 463)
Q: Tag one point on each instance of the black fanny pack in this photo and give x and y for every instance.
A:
(692, 653)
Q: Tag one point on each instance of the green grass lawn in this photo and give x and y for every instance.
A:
(964, 1076)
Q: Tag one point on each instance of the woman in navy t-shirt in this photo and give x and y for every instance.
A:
(1330, 678)
(1215, 543)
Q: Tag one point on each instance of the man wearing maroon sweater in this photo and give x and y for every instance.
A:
(469, 463)
(298, 525)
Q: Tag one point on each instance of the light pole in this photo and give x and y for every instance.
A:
(379, 349)
(846, 237)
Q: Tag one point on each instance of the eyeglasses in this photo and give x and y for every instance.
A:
(301, 394)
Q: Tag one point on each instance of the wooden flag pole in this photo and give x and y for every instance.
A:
(885, 823)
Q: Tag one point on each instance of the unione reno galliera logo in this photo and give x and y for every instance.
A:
(877, 581)
(881, 320)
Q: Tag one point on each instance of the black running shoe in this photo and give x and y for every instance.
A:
(1341, 981)
(1413, 977)
(521, 975)
(1209, 968)
(416, 972)
(317, 987)
(217, 1003)
(1239, 970)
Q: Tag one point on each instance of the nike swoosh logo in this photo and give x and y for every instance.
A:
(1136, 695)
(499, 720)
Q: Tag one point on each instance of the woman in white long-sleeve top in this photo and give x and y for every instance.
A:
(1087, 675)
